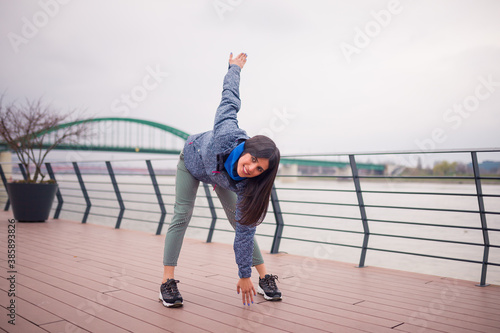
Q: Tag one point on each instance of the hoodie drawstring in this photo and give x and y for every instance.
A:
(215, 185)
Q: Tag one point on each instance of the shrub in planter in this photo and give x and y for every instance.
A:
(25, 129)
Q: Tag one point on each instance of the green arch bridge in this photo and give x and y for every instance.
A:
(132, 135)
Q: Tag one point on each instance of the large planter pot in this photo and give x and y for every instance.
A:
(31, 202)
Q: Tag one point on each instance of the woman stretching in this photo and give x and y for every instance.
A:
(242, 170)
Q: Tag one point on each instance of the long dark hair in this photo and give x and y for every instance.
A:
(258, 190)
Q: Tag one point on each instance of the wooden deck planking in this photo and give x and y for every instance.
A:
(316, 316)
(313, 313)
(216, 295)
(95, 278)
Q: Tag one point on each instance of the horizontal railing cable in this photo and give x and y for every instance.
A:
(311, 192)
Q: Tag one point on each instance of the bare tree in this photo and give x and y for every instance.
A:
(32, 129)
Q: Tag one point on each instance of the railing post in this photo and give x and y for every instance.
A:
(84, 192)
(60, 200)
(23, 171)
(212, 212)
(482, 214)
(118, 194)
(4, 181)
(278, 216)
(361, 204)
(158, 196)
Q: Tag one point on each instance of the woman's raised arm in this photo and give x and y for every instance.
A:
(226, 122)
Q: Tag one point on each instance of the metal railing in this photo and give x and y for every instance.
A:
(330, 215)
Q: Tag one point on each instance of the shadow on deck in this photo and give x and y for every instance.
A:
(73, 277)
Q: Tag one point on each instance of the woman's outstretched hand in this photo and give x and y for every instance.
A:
(240, 60)
(247, 289)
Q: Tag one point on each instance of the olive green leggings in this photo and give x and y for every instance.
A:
(186, 187)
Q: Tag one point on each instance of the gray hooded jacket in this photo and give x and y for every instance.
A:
(204, 154)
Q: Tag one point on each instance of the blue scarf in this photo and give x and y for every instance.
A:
(232, 160)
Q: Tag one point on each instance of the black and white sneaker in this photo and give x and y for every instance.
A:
(267, 287)
(170, 295)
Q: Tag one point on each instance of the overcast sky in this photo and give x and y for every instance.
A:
(321, 76)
